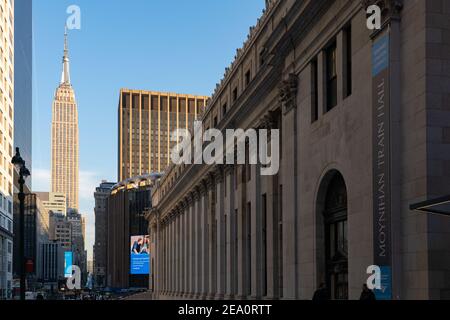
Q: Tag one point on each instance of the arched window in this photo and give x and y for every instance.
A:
(336, 253)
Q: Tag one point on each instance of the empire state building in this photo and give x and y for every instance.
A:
(65, 150)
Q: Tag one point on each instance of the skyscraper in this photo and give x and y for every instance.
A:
(6, 144)
(23, 72)
(101, 195)
(65, 137)
(146, 121)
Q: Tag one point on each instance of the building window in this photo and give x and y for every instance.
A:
(248, 168)
(224, 110)
(348, 61)
(235, 94)
(331, 76)
(247, 78)
(314, 91)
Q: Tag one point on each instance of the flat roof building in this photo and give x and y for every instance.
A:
(101, 195)
(146, 121)
(54, 202)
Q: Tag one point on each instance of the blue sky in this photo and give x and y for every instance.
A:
(164, 45)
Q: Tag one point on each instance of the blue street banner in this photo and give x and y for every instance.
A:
(68, 262)
(381, 142)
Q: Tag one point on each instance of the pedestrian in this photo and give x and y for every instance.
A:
(321, 294)
(367, 294)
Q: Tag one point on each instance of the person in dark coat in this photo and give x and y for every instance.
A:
(367, 294)
(321, 294)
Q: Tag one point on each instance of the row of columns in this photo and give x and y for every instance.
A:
(218, 243)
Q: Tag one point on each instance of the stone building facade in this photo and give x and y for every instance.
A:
(101, 195)
(364, 120)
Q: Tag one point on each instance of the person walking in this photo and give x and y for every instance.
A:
(321, 294)
(367, 294)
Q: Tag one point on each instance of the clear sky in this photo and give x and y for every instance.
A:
(163, 45)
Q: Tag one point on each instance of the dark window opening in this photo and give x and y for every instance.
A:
(331, 76)
(348, 61)
(314, 91)
(235, 94)
(249, 247)
(247, 78)
(264, 244)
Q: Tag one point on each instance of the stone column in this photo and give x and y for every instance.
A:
(170, 252)
(154, 271)
(230, 233)
(220, 234)
(174, 253)
(169, 288)
(164, 264)
(179, 251)
(197, 250)
(269, 222)
(241, 204)
(185, 247)
(158, 257)
(191, 245)
(256, 233)
(271, 236)
(288, 95)
(212, 239)
(204, 241)
(175, 222)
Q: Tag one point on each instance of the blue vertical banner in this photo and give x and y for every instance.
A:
(381, 142)
(68, 262)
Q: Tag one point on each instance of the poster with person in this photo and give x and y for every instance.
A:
(140, 254)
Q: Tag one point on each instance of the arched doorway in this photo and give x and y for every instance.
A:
(331, 235)
(335, 232)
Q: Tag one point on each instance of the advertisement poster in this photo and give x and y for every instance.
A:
(140, 255)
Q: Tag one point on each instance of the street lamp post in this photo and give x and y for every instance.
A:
(19, 163)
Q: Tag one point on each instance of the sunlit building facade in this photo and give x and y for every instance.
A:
(65, 152)
(6, 144)
(54, 202)
(146, 121)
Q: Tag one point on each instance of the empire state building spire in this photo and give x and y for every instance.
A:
(65, 77)
(65, 149)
